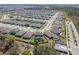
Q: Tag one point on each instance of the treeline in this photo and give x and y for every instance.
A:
(72, 11)
(69, 10)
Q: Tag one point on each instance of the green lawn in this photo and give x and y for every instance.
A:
(62, 36)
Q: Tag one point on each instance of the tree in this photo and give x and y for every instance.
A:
(44, 50)
(2, 37)
(10, 38)
(15, 50)
(11, 16)
(9, 41)
(26, 52)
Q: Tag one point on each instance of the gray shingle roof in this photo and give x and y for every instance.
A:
(60, 47)
(20, 33)
(38, 33)
(28, 34)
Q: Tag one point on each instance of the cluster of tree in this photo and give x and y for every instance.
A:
(74, 14)
(26, 52)
(44, 50)
(72, 11)
(15, 50)
(8, 41)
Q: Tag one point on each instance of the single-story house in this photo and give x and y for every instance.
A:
(61, 48)
(20, 33)
(28, 34)
(48, 34)
(38, 36)
(6, 31)
(35, 25)
(14, 31)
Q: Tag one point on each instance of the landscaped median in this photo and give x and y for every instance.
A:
(33, 41)
(62, 33)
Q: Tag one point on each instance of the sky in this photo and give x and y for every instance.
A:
(39, 1)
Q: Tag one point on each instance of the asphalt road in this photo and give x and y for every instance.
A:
(71, 44)
(50, 22)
